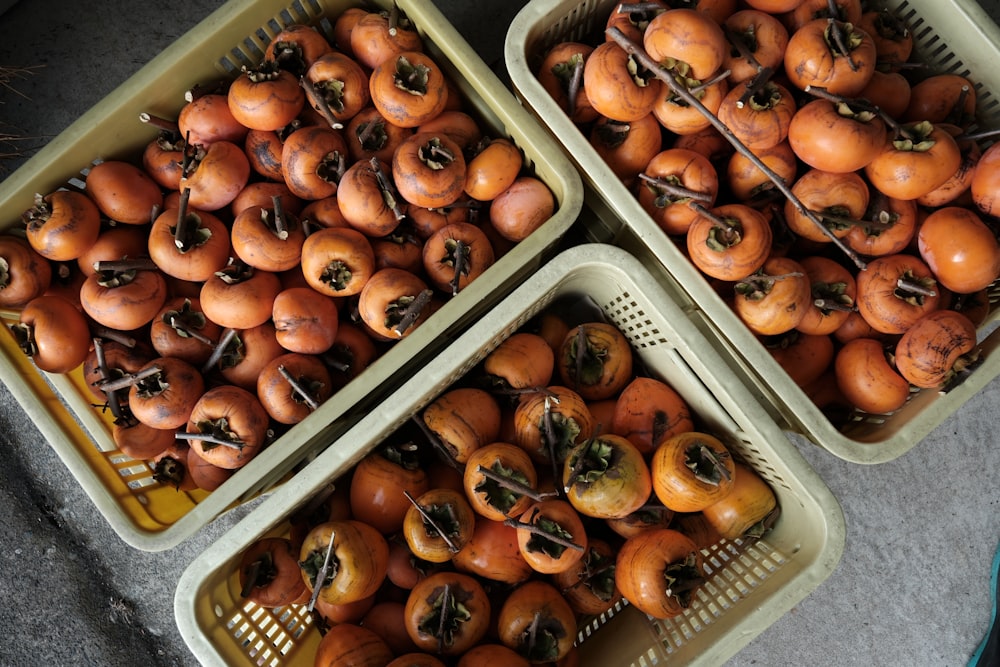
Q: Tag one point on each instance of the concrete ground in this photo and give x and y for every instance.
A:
(911, 588)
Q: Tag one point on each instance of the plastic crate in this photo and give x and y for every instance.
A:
(954, 36)
(151, 516)
(747, 591)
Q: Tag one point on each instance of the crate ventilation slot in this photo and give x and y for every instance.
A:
(268, 635)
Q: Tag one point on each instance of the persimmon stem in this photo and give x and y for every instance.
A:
(159, 122)
(861, 105)
(830, 304)
(413, 310)
(836, 28)
(915, 287)
(102, 365)
(319, 103)
(536, 530)
(253, 574)
(438, 444)
(460, 259)
(636, 7)
(127, 264)
(674, 189)
(181, 230)
(209, 438)
(681, 91)
(321, 574)
(442, 620)
(176, 323)
(718, 221)
(588, 576)
(219, 350)
(738, 41)
(536, 621)
(549, 434)
(128, 380)
(279, 217)
(388, 191)
(298, 388)
(112, 334)
(514, 485)
(432, 522)
(711, 82)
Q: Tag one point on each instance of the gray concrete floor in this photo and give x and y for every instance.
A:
(911, 589)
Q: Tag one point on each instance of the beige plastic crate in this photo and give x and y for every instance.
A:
(746, 592)
(950, 36)
(151, 516)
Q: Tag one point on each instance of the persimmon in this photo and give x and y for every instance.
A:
(337, 261)
(814, 57)
(429, 170)
(748, 511)
(305, 321)
(758, 114)
(888, 226)
(464, 419)
(774, 6)
(523, 207)
(955, 190)
(606, 477)
(868, 378)
(627, 148)
(245, 355)
(494, 166)
(455, 255)
(889, 91)
(804, 356)
(691, 470)
(292, 386)
(393, 302)
(24, 273)
(164, 392)
(748, 184)
(265, 96)
(379, 480)
(915, 162)
(163, 158)
(216, 176)
(633, 20)
(382, 34)
(368, 198)
(986, 181)
(836, 136)
(239, 296)
(268, 238)
(295, 47)
(895, 291)
(227, 426)
(408, 88)
(616, 86)
(937, 350)
(447, 613)
(353, 350)
(113, 243)
(551, 535)
(942, 98)
(438, 524)
(341, 85)
(648, 517)
(960, 249)
(491, 654)
(205, 119)
(775, 298)
(263, 150)
(537, 622)
(847, 11)
(836, 199)
(313, 161)
(561, 75)
(140, 441)
(589, 587)
(493, 554)
(123, 191)
(170, 467)
(687, 41)
(658, 571)
(109, 361)
(523, 360)
(356, 567)
(205, 475)
(550, 421)
(187, 243)
(499, 480)
(834, 290)
(369, 134)
(62, 225)
(757, 42)
(674, 178)
(124, 296)
(269, 573)
(595, 360)
(893, 39)
(648, 411)
(351, 645)
(730, 241)
(678, 116)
